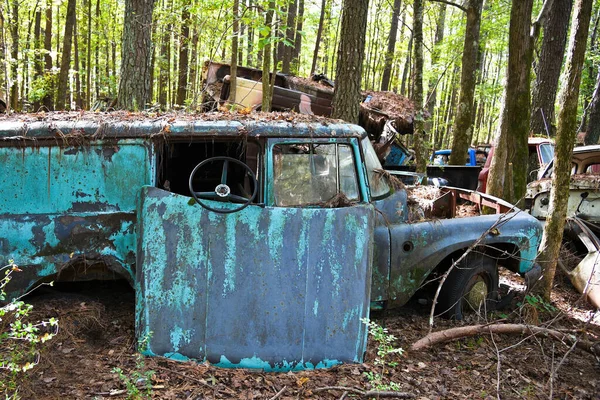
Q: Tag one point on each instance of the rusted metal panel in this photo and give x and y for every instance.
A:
(63, 205)
(417, 248)
(266, 287)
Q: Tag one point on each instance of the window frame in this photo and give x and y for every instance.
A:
(269, 166)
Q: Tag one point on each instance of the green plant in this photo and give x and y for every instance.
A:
(138, 383)
(539, 303)
(20, 339)
(385, 349)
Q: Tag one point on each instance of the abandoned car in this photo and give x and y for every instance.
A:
(582, 232)
(250, 242)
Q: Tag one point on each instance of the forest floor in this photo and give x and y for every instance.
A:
(97, 335)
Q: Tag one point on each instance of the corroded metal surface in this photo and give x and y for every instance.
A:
(272, 288)
(63, 205)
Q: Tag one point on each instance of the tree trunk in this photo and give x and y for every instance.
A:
(62, 95)
(88, 70)
(164, 68)
(14, 54)
(182, 80)
(250, 44)
(565, 137)
(549, 67)
(48, 100)
(266, 84)
(234, 51)
(290, 34)
(511, 149)
(433, 80)
(77, 97)
(463, 123)
(407, 67)
(347, 95)
(391, 46)
(298, 39)
(419, 131)
(318, 40)
(97, 52)
(134, 85)
(593, 133)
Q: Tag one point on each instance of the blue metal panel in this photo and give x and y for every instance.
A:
(432, 241)
(60, 205)
(271, 288)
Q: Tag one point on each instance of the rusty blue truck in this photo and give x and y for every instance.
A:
(250, 241)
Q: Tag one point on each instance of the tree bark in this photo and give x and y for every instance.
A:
(419, 122)
(48, 100)
(514, 329)
(433, 80)
(511, 145)
(134, 85)
(14, 54)
(463, 123)
(593, 133)
(347, 94)
(250, 43)
(565, 137)
(182, 80)
(298, 39)
(290, 34)
(318, 40)
(549, 67)
(391, 47)
(62, 95)
(267, 54)
(234, 51)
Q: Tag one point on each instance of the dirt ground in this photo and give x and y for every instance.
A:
(97, 335)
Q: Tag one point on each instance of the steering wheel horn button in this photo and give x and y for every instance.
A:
(222, 190)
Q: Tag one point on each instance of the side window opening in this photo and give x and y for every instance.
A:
(178, 160)
(314, 174)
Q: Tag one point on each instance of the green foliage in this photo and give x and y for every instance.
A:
(385, 350)
(138, 382)
(20, 339)
(539, 303)
(42, 86)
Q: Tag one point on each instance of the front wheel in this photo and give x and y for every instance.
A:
(472, 286)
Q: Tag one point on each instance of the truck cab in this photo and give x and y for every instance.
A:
(249, 241)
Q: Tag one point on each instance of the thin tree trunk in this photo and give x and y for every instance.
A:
(565, 137)
(298, 40)
(14, 54)
(62, 95)
(97, 53)
(318, 41)
(266, 84)
(419, 131)
(347, 94)
(463, 123)
(234, 52)
(290, 34)
(435, 55)
(391, 46)
(549, 67)
(407, 67)
(593, 133)
(249, 56)
(78, 99)
(511, 150)
(48, 100)
(88, 70)
(182, 80)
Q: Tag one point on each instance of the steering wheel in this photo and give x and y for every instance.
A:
(222, 192)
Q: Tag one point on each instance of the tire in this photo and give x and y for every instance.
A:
(475, 278)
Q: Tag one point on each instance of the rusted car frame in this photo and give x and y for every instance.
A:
(248, 243)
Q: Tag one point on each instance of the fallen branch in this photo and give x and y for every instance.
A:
(518, 329)
(278, 395)
(369, 393)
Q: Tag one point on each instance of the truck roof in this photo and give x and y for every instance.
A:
(121, 124)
